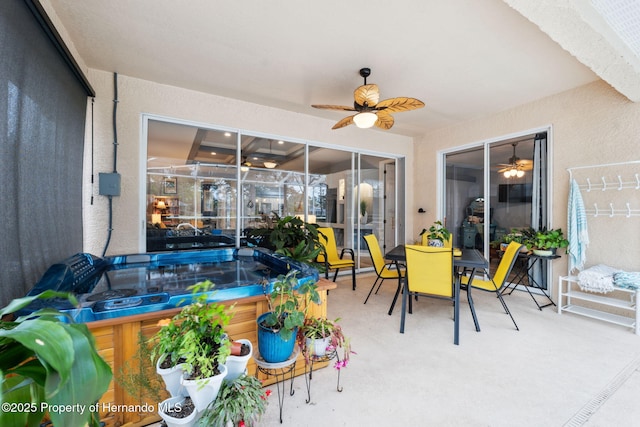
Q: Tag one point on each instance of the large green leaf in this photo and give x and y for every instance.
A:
(20, 303)
(14, 390)
(50, 341)
(12, 353)
(90, 380)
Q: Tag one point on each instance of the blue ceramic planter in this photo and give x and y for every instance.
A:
(272, 348)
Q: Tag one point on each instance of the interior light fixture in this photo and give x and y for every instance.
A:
(365, 120)
(270, 165)
(161, 205)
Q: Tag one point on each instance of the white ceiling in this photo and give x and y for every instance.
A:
(465, 59)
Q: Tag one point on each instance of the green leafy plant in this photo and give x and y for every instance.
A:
(292, 237)
(288, 302)
(240, 402)
(363, 207)
(437, 231)
(198, 331)
(525, 236)
(167, 343)
(549, 239)
(320, 328)
(138, 375)
(47, 360)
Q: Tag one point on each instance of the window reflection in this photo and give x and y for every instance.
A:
(225, 183)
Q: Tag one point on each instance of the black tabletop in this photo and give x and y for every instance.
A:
(471, 258)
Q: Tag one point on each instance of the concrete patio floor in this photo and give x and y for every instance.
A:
(557, 370)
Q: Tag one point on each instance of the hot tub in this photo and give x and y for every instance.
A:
(126, 285)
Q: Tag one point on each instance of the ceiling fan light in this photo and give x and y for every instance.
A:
(507, 174)
(513, 172)
(270, 164)
(365, 120)
(520, 174)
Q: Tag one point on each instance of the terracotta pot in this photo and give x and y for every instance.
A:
(236, 348)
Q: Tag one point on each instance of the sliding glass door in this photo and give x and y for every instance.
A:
(494, 188)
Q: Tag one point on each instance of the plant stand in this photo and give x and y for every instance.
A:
(280, 371)
(308, 373)
(525, 273)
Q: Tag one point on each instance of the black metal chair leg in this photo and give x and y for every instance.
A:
(374, 285)
(353, 276)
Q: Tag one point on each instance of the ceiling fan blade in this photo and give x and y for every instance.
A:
(385, 120)
(394, 105)
(367, 95)
(334, 107)
(344, 122)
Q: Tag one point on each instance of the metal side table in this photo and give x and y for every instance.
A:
(525, 273)
(279, 370)
(308, 370)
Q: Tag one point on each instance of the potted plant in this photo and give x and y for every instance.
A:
(524, 236)
(320, 336)
(288, 302)
(46, 359)
(292, 237)
(546, 242)
(165, 353)
(204, 345)
(241, 351)
(363, 211)
(201, 342)
(240, 403)
(437, 234)
(178, 411)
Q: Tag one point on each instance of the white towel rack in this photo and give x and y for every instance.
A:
(609, 191)
(630, 181)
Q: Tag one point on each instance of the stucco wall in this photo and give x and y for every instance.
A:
(137, 97)
(592, 124)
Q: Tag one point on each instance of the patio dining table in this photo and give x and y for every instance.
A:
(468, 261)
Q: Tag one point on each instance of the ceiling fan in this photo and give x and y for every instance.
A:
(370, 112)
(516, 166)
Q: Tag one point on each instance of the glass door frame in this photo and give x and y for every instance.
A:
(486, 145)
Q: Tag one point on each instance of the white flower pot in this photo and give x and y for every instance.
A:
(171, 377)
(237, 365)
(318, 346)
(204, 391)
(171, 421)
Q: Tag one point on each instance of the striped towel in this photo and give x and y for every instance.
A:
(626, 279)
(578, 235)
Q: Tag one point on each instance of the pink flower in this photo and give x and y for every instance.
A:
(340, 364)
(241, 423)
